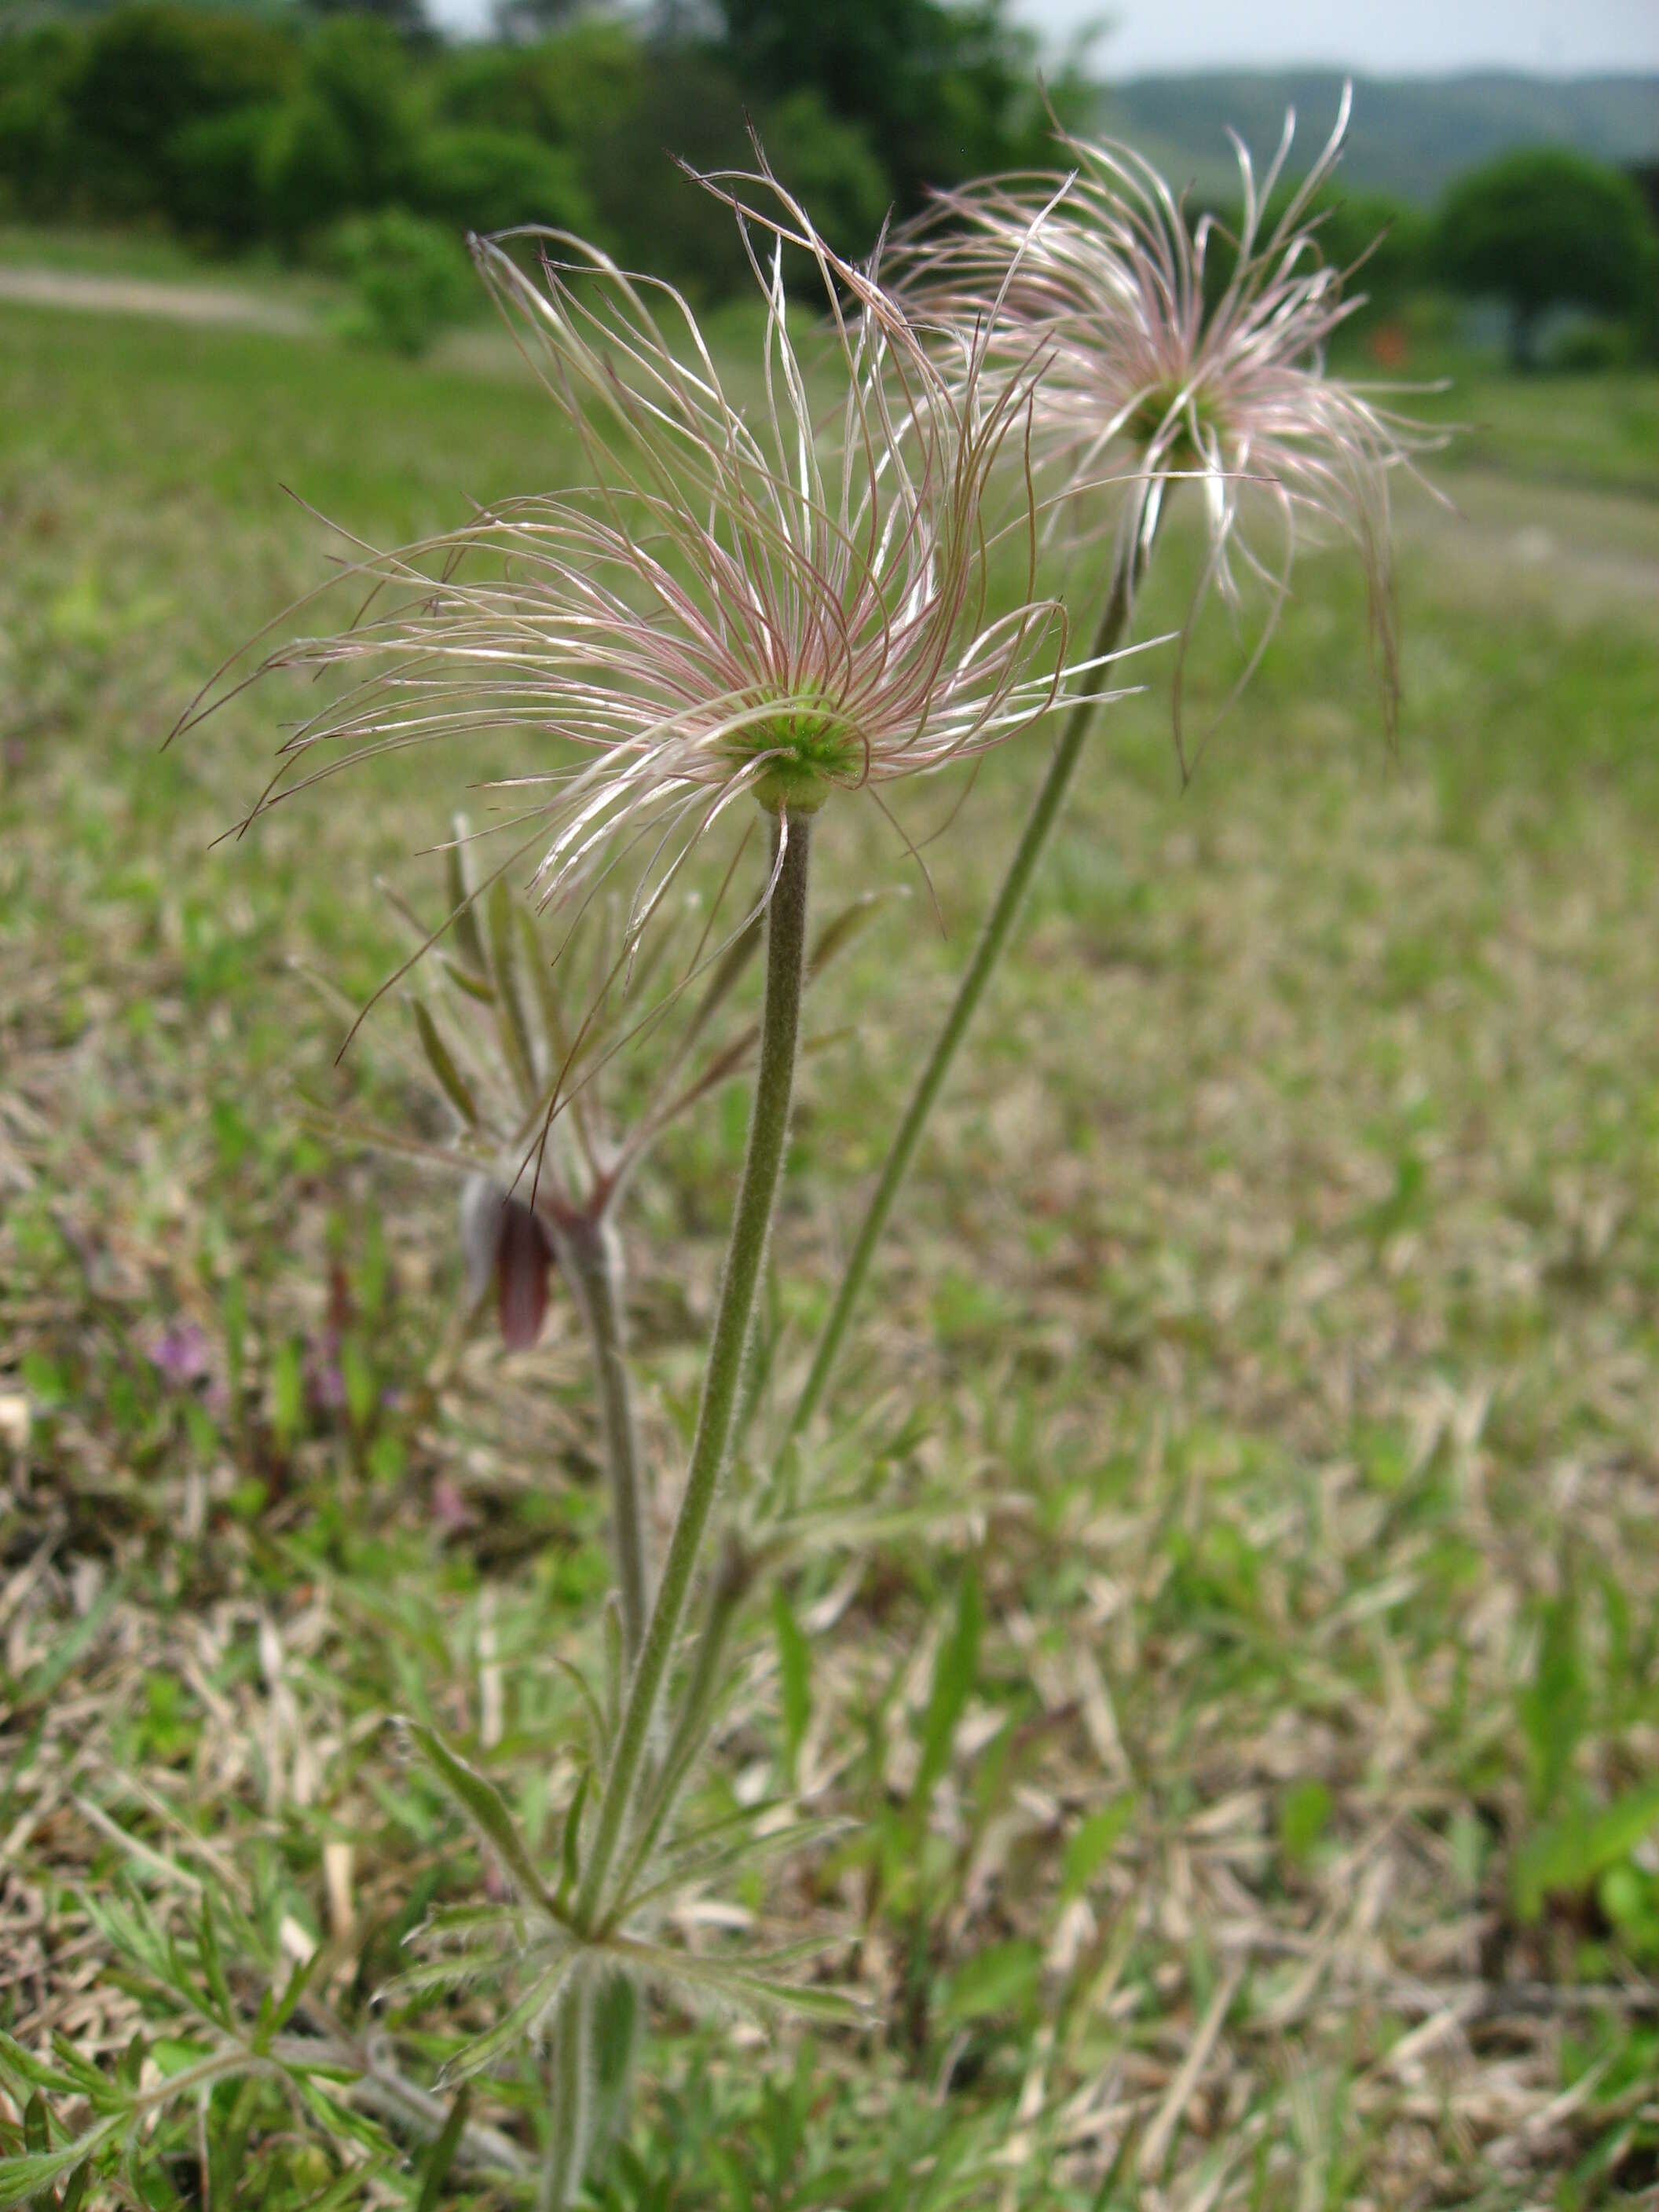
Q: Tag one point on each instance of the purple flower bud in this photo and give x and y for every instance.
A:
(503, 1240)
(523, 1260)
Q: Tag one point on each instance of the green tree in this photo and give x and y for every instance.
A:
(567, 89)
(149, 71)
(650, 215)
(407, 17)
(349, 138)
(942, 91)
(830, 164)
(476, 179)
(1380, 246)
(39, 141)
(214, 169)
(1545, 229)
(533, 19)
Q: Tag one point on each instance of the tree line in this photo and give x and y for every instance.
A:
(238, 128)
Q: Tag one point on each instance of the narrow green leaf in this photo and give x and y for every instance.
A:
(504, 1922)
(596, 1720)
(213, 1971)
(443, 2153)
(66, 1652)
(485, 1806)
(570, 1848)
(1002, 1977)
(354, 2187)
(794, 1678)
(843, 928)
(759, 1984)
(1554, 1706)
(714, 1860)
(298, 1982)
(443, 1977)
(514, 2028)
(540, 971)
(25, 2177)
(1092, 1843)
(1573, 1851)
(475, 987)
(955, 1672)
(614, 1669)
(458, 863)
(728, 970)
(79, 2075)
(510, 1024)
(442, 1061)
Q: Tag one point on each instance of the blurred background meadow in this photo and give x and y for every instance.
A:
(1233, 1645)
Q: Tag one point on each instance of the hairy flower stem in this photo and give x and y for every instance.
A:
(786, 966)
(567, 2150)
(595, 1262)
(993, 937)
(694, 1717)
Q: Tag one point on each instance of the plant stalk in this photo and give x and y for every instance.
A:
(993, 937)
(594, 1257)
(786, 966)
(668, 1776)
(567, 2150)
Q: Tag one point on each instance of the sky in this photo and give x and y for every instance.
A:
(1382, 38)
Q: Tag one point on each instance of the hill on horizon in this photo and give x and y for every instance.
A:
(1409, 136)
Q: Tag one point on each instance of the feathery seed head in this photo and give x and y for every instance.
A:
(769, 602)
(1178, 350)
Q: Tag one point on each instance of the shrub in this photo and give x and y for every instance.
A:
(410, 278)
(1589, 346)
(485, 179)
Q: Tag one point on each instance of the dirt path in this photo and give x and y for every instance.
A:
(221, 305)
(1571, 551)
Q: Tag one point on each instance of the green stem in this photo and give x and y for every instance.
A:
(731, 1579)
(567, 2150)
(786, 963)
(993, 936)
(595, 1261)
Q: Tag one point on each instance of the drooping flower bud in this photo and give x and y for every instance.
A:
(503, 1241)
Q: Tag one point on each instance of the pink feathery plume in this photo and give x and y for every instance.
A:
(728, 609)
(1156, 376)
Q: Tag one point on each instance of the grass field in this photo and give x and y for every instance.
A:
(1255, 1428)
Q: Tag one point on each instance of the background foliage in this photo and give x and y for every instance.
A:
(238, 129)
